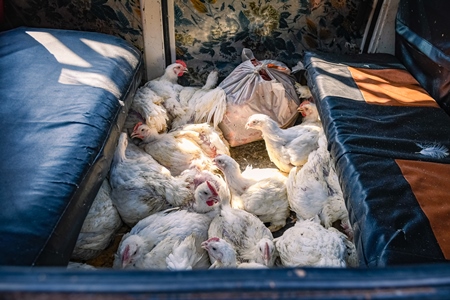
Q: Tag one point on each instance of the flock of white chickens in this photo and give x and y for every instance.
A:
(189, 205)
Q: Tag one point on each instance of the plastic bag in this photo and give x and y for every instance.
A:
(265, 87)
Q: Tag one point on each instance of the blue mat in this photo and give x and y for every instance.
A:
(64, 98)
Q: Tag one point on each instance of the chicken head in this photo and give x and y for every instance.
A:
(128, 251)
(308, 110)
(175, 70)
(143, 131)
(221, 162)
(231, 170)
(265, 252)
(221, 252)
(257, 121)
(180, 68)
(206, 197)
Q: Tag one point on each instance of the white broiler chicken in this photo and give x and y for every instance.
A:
(289, 147)
(210, 140)
(306, 188)
(203, 105)
(248, 235)
(176, 150)
(266, 198)
(335, 208)
(173, 150)
(308, 243)
(101, 224)
(314, 191)
(141, 186)
(141, 248)
(224, 255)
(180, 258)
(147, 107)
(167, 87)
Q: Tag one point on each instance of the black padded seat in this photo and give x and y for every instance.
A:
(378, 119)
(382, 115)
(370, 104)
(399, 209)
(423, 45)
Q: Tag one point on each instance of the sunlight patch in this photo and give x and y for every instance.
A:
(73, 77)
(62, 53)
(111, 51)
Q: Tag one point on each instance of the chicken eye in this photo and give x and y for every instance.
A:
(214, 248)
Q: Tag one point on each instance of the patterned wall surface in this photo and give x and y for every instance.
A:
(117, 17)
(210, 34)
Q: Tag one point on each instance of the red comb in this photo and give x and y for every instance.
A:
(304, 103)
(214, 239)
(212, 188)
(126, 253)
(137, 125)
(179, 61)
(266, 253)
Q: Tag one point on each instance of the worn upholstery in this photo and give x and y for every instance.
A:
(64, 99)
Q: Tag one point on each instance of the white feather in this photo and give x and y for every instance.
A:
(433, 150)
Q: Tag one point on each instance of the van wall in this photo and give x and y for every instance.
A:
(210, 34)
(117, 17)
(213, 33)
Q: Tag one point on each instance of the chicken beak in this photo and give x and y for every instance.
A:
(215, 162)
(135, 134)
(204, 245)
(135, 130)
(301, 108)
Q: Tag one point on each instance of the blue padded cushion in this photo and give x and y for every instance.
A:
(64, 94)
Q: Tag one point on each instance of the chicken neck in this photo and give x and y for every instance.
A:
(169, 76)
(237, 183)
(272, 132)
(152, 136)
